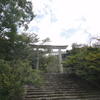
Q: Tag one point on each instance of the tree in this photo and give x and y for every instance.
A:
(15, 49)
(14, 14)
(16, 69)
(85, 62)
(93, 66)
(22, 49)
(49, 63)
(13, 76)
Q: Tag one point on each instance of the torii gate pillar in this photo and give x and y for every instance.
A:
(60, 60)
(37, 63)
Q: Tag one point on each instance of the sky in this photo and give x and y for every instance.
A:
(66, 21)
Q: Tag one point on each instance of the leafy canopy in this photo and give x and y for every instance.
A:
(14, 14)
(84, 61)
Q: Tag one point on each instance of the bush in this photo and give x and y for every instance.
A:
(13, 75)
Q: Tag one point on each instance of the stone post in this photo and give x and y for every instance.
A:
(60, 60)
(37, 63)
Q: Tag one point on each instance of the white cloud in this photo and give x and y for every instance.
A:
(55, 15)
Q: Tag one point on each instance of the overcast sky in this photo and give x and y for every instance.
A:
(66, 21)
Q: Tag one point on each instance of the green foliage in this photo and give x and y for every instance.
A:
(15, 67)
(48, 63)
(13, 76)
(71, 61)
(15, 49)
(10, 86)
(51, 64)
(17, 56)
(93, 65)
(19, 49)
(14, 14)
(85, 62)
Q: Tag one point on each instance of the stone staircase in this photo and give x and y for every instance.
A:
(63, 87)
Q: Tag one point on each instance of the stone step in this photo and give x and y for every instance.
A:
(60, 97)
(69, 88)
(63, 87)
(66, 89)
(63, 92)
(67, 85)
(79, 94)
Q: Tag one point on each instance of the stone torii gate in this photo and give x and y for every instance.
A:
(59, 47)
